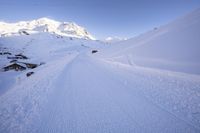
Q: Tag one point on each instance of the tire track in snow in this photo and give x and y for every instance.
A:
(60, 115)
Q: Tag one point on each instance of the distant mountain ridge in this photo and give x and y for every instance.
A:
(69, 29)
(114, 39)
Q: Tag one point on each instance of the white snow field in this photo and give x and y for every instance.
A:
(174, 46)
(116, 90)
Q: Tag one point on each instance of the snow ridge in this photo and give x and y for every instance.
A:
(69, 29)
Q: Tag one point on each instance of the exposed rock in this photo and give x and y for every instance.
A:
(12, 61)
(31, 66)
(14, 66)
(21, 56)
(94, 51)
(29, 74)
(5, 53)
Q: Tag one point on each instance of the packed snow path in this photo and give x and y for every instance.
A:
(85, 94)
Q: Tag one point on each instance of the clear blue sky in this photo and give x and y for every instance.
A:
(102, 18)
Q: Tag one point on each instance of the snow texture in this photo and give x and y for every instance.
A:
(116, 90)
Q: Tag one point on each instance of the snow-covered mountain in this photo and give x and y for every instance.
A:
(44, 25)
(174, 46)
(55, 83)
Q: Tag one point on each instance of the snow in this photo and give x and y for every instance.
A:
(115, 39)
(108, 91)
(174, 46)
(45, 25)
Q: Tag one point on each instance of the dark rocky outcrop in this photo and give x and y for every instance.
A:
(14, 66)
(94, 51)
(29, 74)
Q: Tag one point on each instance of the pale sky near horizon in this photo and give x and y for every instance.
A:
(102, 18)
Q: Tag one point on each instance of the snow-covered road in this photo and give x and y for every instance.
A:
(87, 94)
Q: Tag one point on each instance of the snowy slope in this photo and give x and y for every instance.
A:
(81, 93)
(75, 90)
(44, 25)
(174, 46)
(112, 40)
